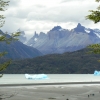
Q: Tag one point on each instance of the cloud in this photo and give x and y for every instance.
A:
(42, 16)
(65, 1)
(13, 3)
(62, 13)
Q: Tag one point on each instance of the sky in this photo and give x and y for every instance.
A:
(43, 15)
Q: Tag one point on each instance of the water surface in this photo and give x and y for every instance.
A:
(53, 78)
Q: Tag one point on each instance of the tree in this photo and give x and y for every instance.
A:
(3, 37)
(95, 17)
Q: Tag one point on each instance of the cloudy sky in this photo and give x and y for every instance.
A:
(43, 15)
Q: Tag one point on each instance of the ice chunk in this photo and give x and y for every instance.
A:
(96, 73)
(37, 76)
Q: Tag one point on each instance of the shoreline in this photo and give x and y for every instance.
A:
(53, 83)
(55, 92)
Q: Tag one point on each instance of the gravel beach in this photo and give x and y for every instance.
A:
(51, 92)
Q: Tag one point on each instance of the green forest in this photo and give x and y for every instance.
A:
(78, 62)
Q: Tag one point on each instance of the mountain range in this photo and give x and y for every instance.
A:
(18, 50)
(59, 40)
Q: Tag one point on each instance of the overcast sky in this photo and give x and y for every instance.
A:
(43, 15)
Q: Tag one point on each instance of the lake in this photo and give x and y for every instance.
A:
(53, 78)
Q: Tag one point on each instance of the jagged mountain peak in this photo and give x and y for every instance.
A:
(42, 33)
(79, 25)
(35, 34)
(59, 40)
(79, 28)
(56, 28)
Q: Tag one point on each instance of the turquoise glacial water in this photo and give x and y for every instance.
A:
(53, 78)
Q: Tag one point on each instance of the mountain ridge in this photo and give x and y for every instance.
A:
(18, 50)
(77, 62)
(59, 40)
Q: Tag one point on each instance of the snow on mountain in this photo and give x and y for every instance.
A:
(59, 40)
(97, 32)
(35, 39)
(87, 30)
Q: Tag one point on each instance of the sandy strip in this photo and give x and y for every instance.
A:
(51, 92)
(53, 83)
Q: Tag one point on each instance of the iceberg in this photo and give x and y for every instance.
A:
(37, 76)
(96, 73)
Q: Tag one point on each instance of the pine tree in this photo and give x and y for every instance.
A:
(3, 37)
(95, 17)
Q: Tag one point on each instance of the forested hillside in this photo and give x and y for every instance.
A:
(79, 62)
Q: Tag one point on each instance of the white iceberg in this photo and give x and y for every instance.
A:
(96, 73)
(37, 76)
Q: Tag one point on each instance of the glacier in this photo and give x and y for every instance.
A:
(36, 76)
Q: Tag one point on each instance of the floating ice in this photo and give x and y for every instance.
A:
(96, 73)
(37, 76)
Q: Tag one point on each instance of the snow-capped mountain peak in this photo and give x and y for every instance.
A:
(59, 40)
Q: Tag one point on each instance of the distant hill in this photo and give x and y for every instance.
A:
(18, 50)
(78, 62)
